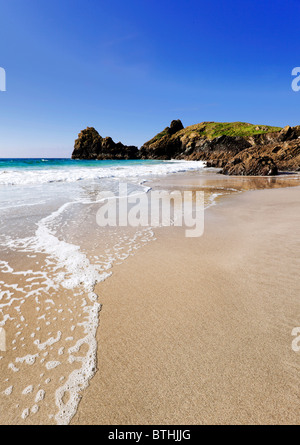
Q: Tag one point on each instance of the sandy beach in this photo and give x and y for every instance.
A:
(177, 330)
(198, 331)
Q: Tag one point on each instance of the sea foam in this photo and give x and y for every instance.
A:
(32, 176)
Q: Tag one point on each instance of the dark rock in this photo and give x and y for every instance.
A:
(286, 155)
(219, 150)
(166, 145)
(259, 154)
(90, 145)
(175, 126)
(247, 165)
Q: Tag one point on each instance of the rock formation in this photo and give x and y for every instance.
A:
(90, 145)
(236, 148)
(246, 164)
(164, 145)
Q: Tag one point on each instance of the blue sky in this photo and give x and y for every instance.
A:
(129, 67)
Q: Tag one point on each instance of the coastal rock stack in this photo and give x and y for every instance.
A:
(90, 145)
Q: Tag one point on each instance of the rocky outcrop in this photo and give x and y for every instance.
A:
(286, 154)
(87, 145)
(209, 141)
(286, 134)
(217, 151)
(175, 126)
(164, 149)
(164, 146)
(236, 148)
(283, 155)
(247, 165)
(90, 145)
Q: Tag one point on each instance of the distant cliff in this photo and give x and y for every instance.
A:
(90, 145)
(236, 148)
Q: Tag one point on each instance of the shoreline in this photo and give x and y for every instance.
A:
(196, 332)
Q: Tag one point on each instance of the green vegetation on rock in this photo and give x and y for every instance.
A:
(212, 130)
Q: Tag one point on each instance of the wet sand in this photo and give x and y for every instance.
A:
(49, 316)
(198, 331)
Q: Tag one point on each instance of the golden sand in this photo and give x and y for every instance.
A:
(198, 331)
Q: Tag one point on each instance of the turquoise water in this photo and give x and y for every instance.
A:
(21, 172)
(41, 163)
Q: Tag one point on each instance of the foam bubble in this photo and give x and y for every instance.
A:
(13, 367)
(28, 359)
(40, 395)
(35, 409)
(51, 341)
(8, 391)
(52, 364)
(27, 390)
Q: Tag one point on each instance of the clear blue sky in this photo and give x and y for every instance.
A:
(129, 67)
